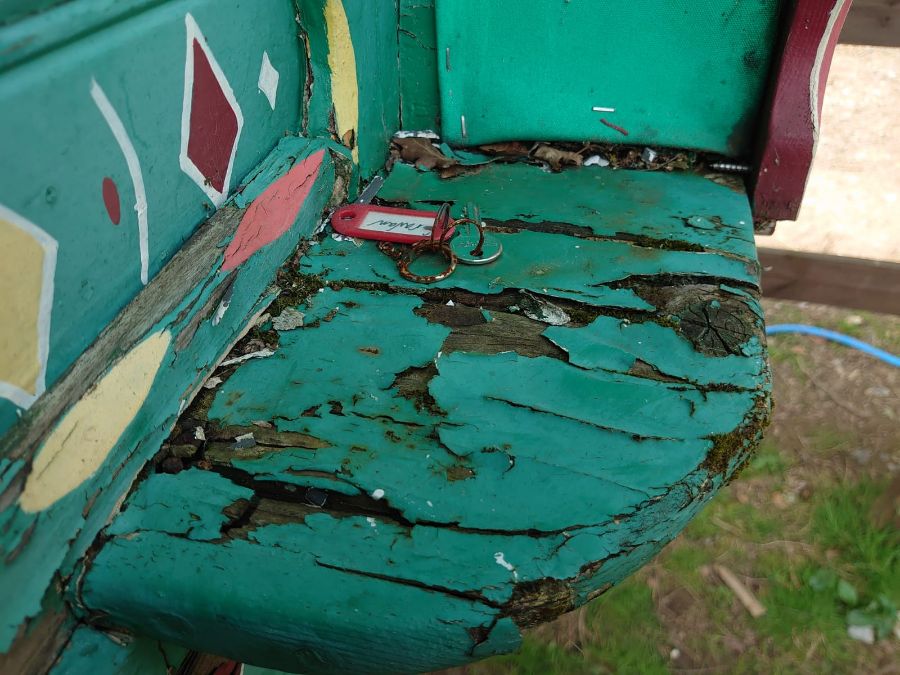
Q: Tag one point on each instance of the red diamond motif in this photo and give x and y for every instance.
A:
(211, 119)
(214, 126)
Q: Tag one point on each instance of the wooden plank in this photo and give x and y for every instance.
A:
(182, 309)
(872, 285)
(76, 246)
(387, 484)
(873, 22)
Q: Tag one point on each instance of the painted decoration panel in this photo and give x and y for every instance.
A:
(679, 74)
(115, 148)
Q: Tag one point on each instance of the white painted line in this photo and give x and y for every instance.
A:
(261, 354)
(816, 71)
(598, 108)
(134, 168)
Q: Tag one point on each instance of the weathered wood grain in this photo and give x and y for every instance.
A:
(873, 22)
(873, 285)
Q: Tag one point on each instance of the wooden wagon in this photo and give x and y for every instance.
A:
(226, 428)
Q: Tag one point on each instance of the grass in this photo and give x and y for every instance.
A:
(832, 541)
(618, 634)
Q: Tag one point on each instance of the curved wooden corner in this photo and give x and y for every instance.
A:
(791, 132)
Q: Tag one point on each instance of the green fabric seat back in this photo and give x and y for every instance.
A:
(683, 73)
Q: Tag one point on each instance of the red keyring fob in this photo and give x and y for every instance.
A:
(383, 223)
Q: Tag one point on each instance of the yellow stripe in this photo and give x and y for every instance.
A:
(90, 430)
(342, 62)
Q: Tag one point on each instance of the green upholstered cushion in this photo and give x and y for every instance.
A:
(686, 73)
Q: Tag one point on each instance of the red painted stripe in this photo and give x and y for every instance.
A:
(789, 135)
(616, 127)
(274, 212)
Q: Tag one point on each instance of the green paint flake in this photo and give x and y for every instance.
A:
(93, 651)
(298, 614)
(656, 205)
(613, 344)
(351, 359)
(163, 506)
(562, 266)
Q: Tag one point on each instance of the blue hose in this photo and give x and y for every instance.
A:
(840, 338)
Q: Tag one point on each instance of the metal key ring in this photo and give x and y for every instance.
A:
(442, 221)
(478, 249)
(417, 250)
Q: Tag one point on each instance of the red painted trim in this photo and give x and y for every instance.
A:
(791, 131)
(349, 220)
(274, 212)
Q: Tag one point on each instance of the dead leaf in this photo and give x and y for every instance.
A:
(512, 149)
(423, 153)
(349, 138)
(460, 170)
(557, 158)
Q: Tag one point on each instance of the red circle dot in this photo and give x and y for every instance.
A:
(111, 199)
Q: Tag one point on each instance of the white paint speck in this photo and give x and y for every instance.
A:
(261, 354)
(371, 521)
(500, 560)
(596, 160)
(199, 434)
(212, 383)
(425, 133)
(377, 494)
(430, 504)
(268, 80)
(220, 311)
(450, 303)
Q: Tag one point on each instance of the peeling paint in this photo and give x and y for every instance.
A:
(415, 444)
(89, 431)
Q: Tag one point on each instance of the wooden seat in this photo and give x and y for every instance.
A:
(417, 473)
(376, 475)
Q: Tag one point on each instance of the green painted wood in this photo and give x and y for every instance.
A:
(417, 474)
(91, 651)
(373, 31)
(13, 10)
(35, 33)
(686, 75)
(203, 309)
(419, 97)
(59, 148)
(373, 27)
(685, 209)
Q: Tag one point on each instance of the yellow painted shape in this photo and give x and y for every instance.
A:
(90, 430)
(21, 269)
(342, 63)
